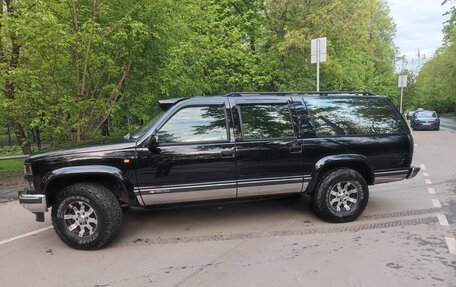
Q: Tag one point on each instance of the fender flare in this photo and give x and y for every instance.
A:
(341, 160)
(126, 187)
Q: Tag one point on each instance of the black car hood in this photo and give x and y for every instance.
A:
(85, 148)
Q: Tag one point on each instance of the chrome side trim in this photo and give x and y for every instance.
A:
(188, 196)
(140, 200)
(391, 176)
(270, 186)
(150, 195)
(183, 186)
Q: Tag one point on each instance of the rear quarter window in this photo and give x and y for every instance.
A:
(339, 116)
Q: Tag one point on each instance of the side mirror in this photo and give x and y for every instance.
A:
(152, 143)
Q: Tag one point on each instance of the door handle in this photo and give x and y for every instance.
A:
(296, 149)
(227, 153)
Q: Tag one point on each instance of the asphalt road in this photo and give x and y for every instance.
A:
(404, 238)
(448, 123)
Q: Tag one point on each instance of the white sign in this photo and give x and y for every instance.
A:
(318, 50)
(402, 82)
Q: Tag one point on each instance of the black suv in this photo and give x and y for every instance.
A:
(328, 145)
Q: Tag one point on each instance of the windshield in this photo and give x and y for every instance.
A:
(426, 115)
(141, 131)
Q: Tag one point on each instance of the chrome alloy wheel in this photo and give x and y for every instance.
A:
(80, 219)
(343, 195)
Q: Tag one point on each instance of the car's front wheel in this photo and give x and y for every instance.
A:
(341, 196)
(86, 216)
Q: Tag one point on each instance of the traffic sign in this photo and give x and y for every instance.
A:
(318, 50)
(318, 55)
(402, 81)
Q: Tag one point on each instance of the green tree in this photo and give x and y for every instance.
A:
(436, 88)
(77, 66)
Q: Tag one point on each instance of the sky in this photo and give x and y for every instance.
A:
(419, 25)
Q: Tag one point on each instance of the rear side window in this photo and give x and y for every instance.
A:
(336, 116)
(266, 121)
(195, 124)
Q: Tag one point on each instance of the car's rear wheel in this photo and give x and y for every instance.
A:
(341, 196)
(86, 216)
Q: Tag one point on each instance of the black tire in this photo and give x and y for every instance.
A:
(99, 219)
(326, 203)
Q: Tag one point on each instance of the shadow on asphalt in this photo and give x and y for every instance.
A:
(248, 212)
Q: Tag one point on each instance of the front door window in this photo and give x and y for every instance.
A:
(195, 125)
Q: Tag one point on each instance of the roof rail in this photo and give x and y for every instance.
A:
(324, 93)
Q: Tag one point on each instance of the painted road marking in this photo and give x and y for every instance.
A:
(431, 190)
(422, 167)
(436, 203)
(428, 181)
(25, 235)
(442, 220)
(451, 243)
(425, 174)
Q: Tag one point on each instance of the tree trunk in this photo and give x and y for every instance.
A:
(10, 88)
(21, 138)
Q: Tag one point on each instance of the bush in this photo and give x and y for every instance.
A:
(10, 150)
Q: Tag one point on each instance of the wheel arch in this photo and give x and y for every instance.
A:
(357, 162)
(110, 177)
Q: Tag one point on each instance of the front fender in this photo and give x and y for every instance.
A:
(354, 161)
(87, 171)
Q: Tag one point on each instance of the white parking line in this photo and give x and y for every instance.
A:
(431, 190)
(442, 220)
(25, 235)
(423, 167)
(425, 174)
(428, 181)
(451, 243)
(436, 203)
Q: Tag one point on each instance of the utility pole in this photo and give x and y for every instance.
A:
(318, 54)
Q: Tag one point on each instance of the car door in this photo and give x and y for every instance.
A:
(195, 156)
(269, 156)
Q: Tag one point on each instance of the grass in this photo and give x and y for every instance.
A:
(12, 171)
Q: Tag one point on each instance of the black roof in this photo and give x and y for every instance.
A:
(167, 103)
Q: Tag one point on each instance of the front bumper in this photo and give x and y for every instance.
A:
(35, 203)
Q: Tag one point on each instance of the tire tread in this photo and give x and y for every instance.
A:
(108, 204)
(319, 197)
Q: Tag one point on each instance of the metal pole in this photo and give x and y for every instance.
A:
(402, 94)
(318, 65)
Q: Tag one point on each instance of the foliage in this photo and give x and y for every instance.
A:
(91, 68)
(10, 150)
(436, 86)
